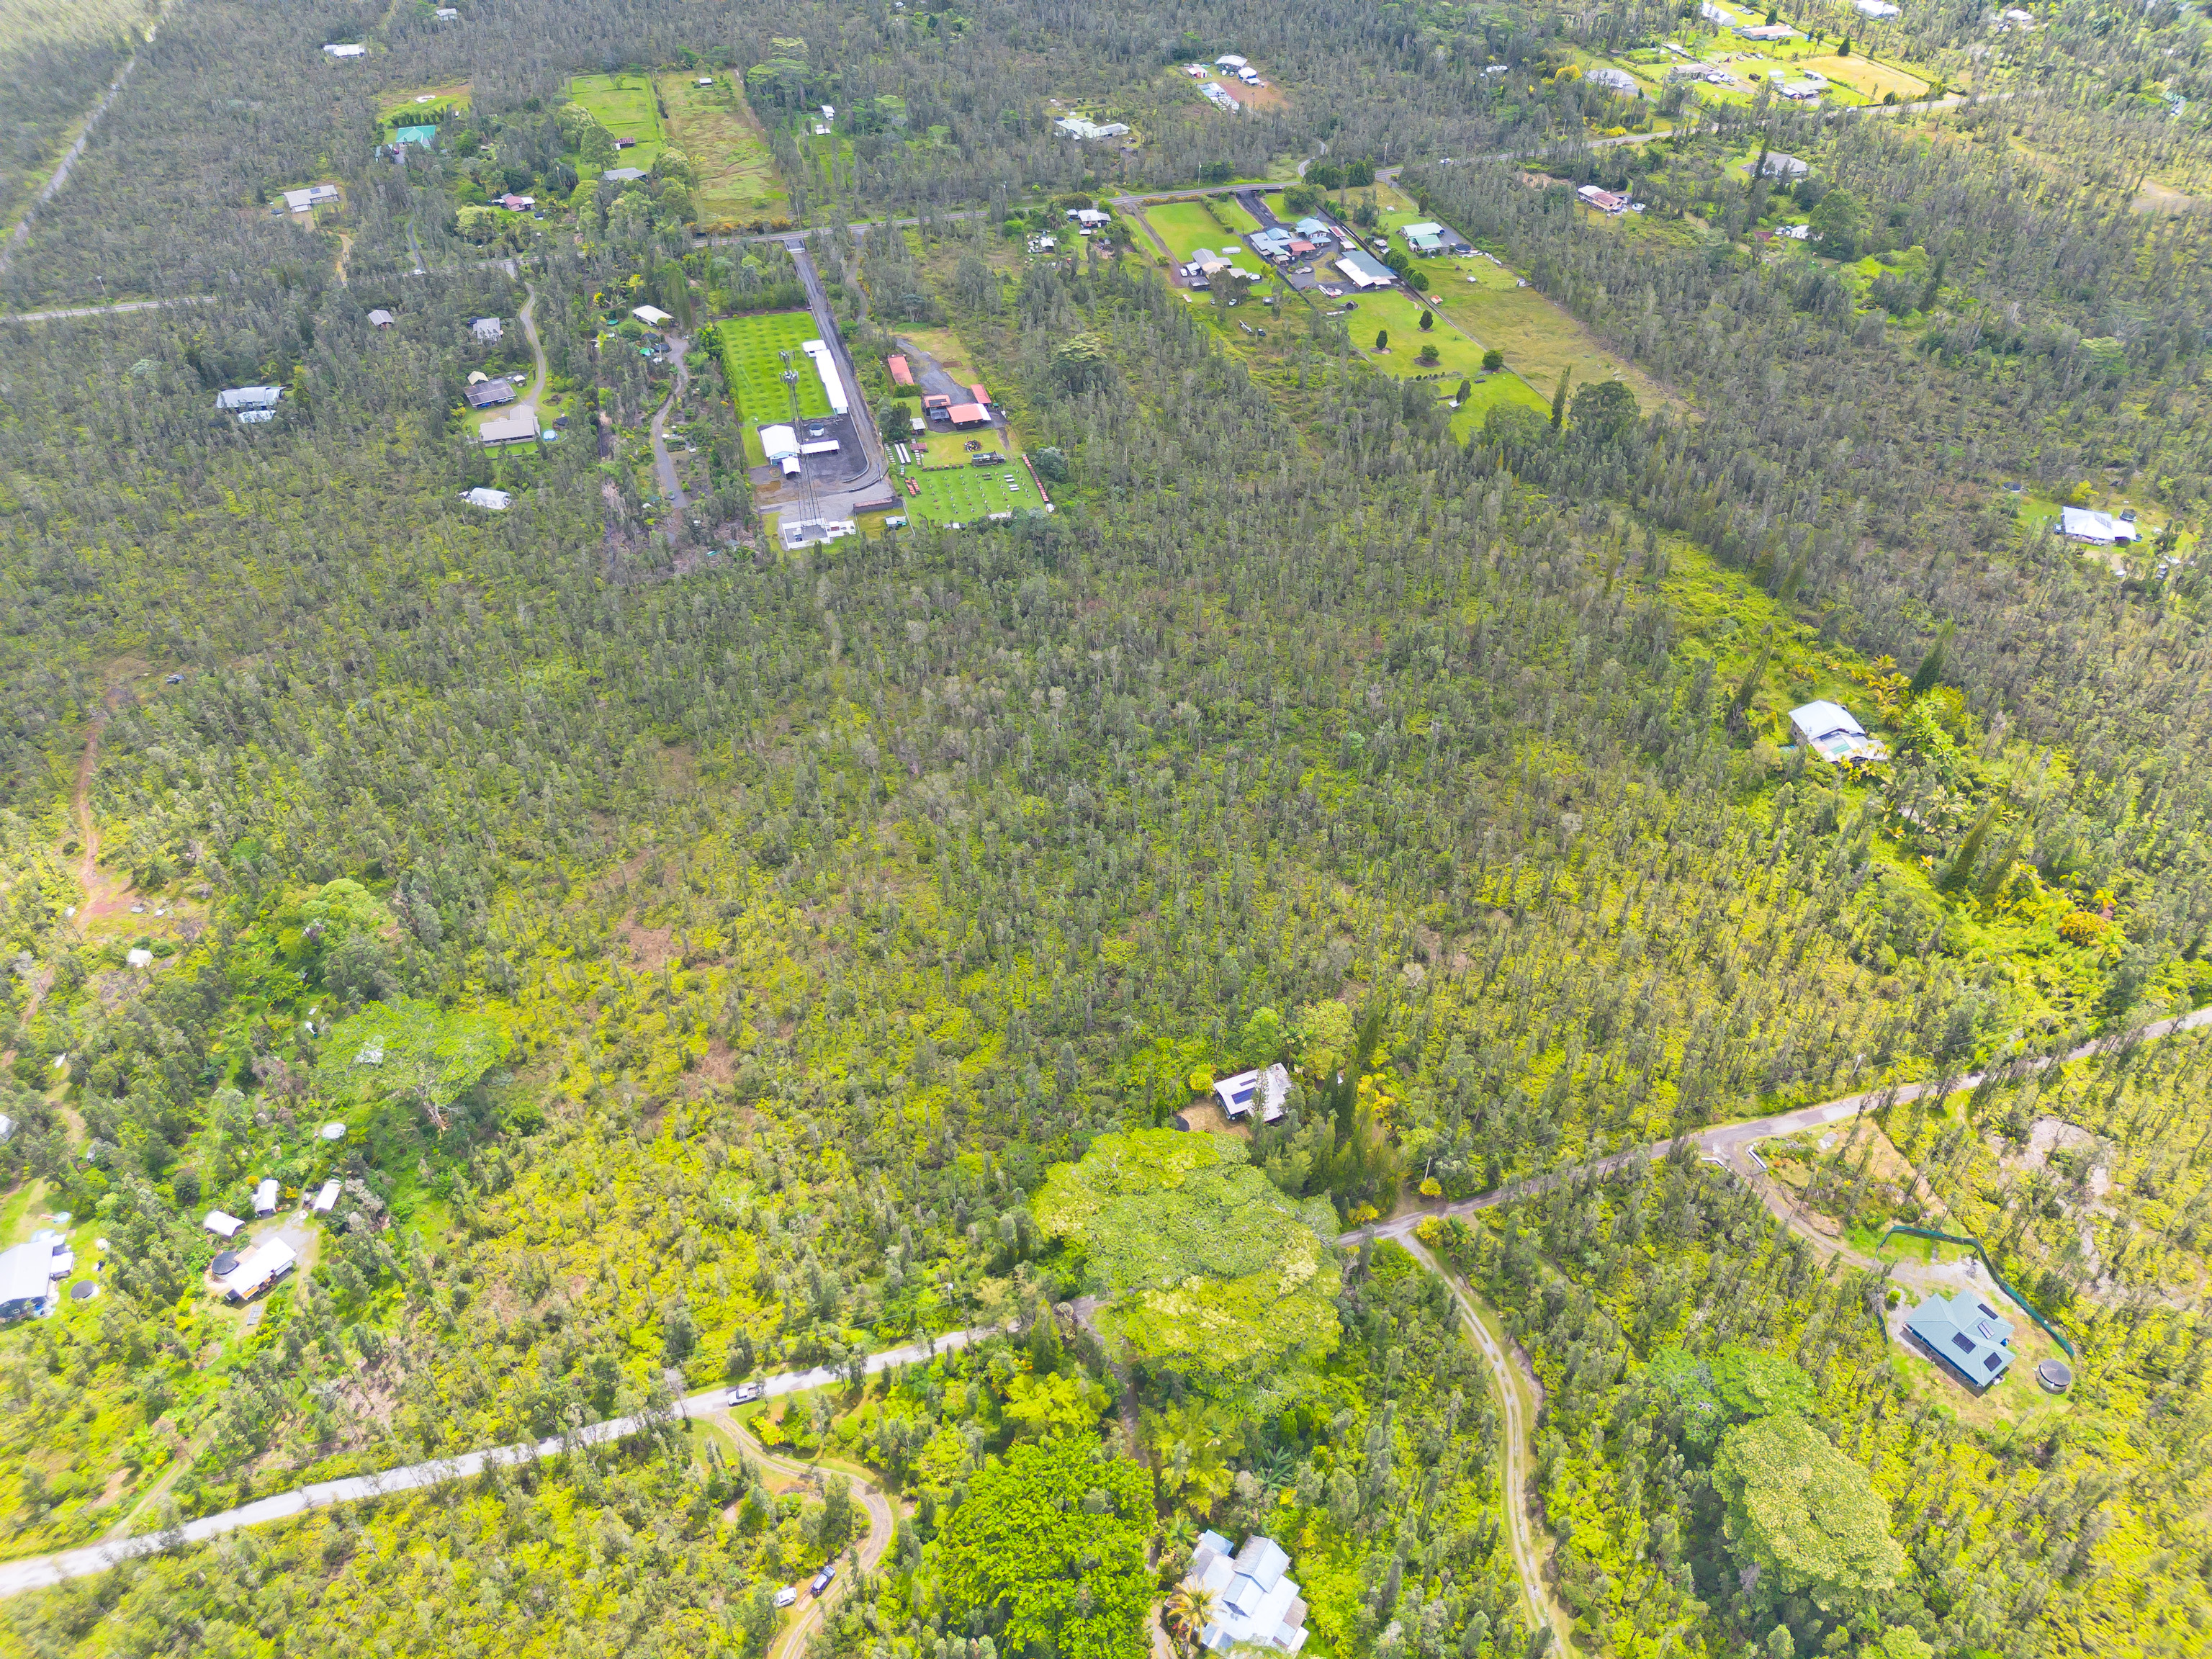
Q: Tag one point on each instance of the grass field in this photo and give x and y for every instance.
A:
(717, 129)
(964, 494)
(423, 106)
(1538, 338)
(1871, 79)
(1186, 227)
(1231, 210)
(752, 365)
(623, 105)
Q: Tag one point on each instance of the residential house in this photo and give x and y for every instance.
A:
(250, 404)
(314, 196)
(1089, 218)
(1766, 32)
(968, 415)
(1229, 60)
(2082, 523)
(347, 52)
(1833, 733)
(1271, 1088)
(624, 175)
(265, 1197)
(487, 393)
(1076, 126)
(652, 316)
(1424, 236)
(1779, 165)
(327, 1199)
(221, 1226)
(514, 204)
(257, 1272)
(1362, 270)
(492, 500)
(1801, 92)
(1316, 231)
(1603, 200)
(519, 428)
(486, 331)
(427, 137)
(1614, 80)
(1273, 243)
(1966, 1334)
(380, 318)
(447, 14)
(1254, 1604)
(1877, 10)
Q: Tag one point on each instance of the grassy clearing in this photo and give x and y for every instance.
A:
(1186, 227)
(716, 128)
(1539, 339)
(423, 106)
(623, 105)
(1869, 78)
(1232, 211)
(752, 364)
(964, 495)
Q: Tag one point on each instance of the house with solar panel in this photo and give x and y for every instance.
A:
(1254, 1605)
(1966, 1336)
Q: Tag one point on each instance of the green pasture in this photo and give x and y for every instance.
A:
(751, 363)
(729, 152)
(623, 105)
(1186, 227)
(965, 495)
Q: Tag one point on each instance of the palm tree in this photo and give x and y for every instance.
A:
(1189, 1611)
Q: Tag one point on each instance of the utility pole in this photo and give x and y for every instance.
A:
(806, 492)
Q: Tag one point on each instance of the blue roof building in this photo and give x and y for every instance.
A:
(1966, 1334)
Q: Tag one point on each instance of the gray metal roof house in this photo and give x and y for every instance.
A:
(487, 331)
(1966, 1334)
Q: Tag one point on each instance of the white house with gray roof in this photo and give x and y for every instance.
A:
(1254, 1604)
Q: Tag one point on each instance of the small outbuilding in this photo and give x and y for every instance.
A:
(1613, 80)
(968, 415)
(1833, 732)
(380, 318)
(486, 331)
(1229, 60)
(489, 393)
(314, 196)
(492, 500)
(624, 175)
(1362, 270)
(27, 1277)
(1089, 218)
(327, 1199)
(779, 442)
(652, 316)
(265, 1199)
(221, 1226)
(346, 50)
(900, 374)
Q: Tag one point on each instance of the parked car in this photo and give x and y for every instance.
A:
(822, 1578)
(745, 1394)
(787, 1595)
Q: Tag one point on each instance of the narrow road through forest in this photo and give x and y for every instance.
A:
(664, 465)
(861, 1557)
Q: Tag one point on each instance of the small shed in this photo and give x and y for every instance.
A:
(979, 394)
(221, 1226)
(265, 1198)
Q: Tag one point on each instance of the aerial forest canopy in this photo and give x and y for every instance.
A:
(1052, 832)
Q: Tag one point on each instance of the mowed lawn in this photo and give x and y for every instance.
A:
(717, 130)
(751, 362)
(423, 106)
(963, 494)
(1871, 79)
(1186, 227)
(623, 105)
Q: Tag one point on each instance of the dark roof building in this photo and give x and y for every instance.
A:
(484, 394)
